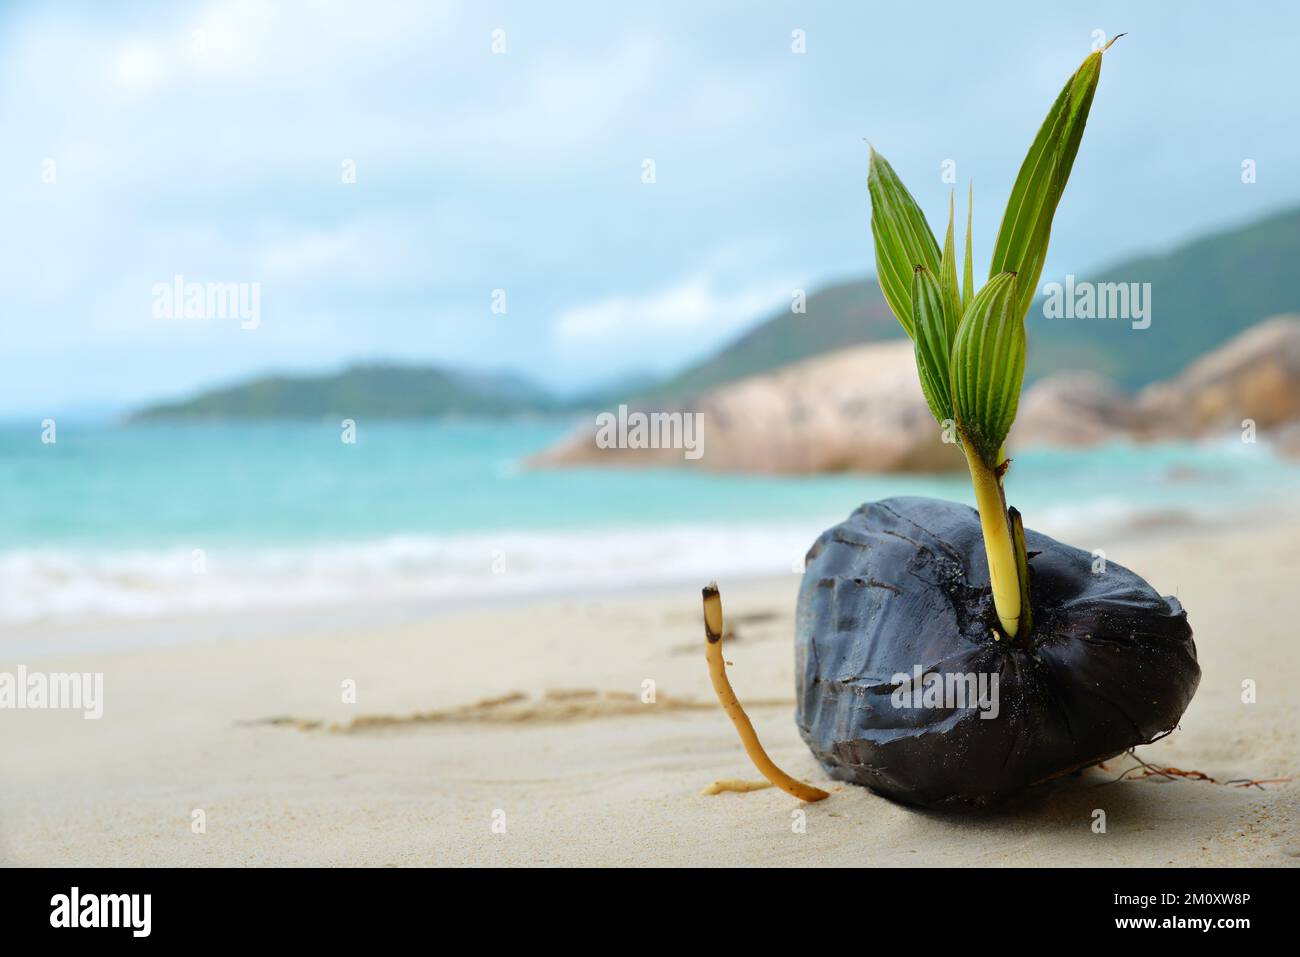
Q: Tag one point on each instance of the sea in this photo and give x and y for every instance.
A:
(135, 521)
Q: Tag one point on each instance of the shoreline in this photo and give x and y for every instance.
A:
(101, 632)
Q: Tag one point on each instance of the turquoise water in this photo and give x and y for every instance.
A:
(295, 483)
(143, 520)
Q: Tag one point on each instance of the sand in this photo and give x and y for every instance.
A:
(519, 736)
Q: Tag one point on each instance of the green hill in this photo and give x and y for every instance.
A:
(379, 390)
(1202, 294)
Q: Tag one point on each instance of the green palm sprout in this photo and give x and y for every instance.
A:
(970, 345)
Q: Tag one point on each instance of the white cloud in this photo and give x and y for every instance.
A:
(372, 250)
(309, 253)
(139, 66)
(692, 305)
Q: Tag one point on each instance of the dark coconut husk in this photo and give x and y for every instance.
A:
(1109, 663)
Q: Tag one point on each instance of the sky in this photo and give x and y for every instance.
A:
(465, 184)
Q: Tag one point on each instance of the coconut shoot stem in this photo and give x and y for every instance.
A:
(998, 546)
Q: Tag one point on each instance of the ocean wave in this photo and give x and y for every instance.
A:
(66, 585)
(63, 584)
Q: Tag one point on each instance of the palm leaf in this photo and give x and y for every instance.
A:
(1021, 246)
(902, 237)
(948, 279)
(968, 272)
(929, 307)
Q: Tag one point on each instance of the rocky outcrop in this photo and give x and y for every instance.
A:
(857, 409)
(1254, 376)
(1287, 439)
(861, 409)
(1071, 409)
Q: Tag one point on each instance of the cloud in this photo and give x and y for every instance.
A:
(365, 251)
(693, 305)
(139, 66)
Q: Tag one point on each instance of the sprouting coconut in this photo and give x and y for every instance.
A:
(948, 657)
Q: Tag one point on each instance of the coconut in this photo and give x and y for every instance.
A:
(906, 684)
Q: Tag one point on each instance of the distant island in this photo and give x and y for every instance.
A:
(378, 390)
(1200, 296)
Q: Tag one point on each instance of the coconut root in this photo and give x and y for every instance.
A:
(730, 704)
(736, 784)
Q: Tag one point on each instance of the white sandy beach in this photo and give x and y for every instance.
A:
(583, 771)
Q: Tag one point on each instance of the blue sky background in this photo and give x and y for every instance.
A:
(222, 159)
